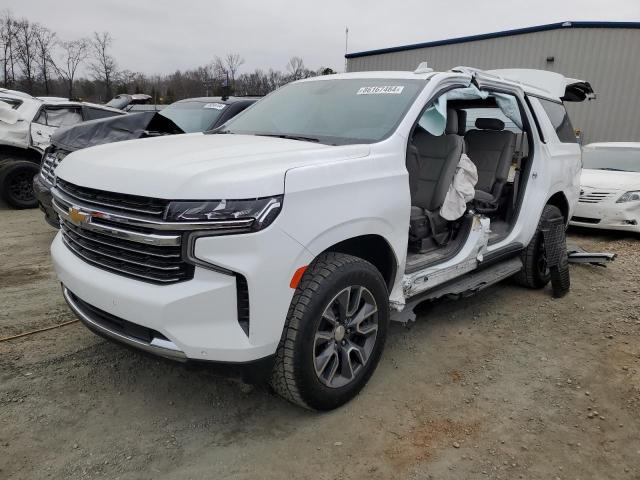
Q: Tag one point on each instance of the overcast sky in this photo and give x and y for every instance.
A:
(161, 36)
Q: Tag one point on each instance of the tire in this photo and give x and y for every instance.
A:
(535, 273)
(16, 183)
(313, 345)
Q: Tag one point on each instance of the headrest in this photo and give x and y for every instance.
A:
(489, 124)
(452, 122)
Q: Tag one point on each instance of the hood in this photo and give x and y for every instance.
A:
(610, 180)
(111, 129)
(198, 166)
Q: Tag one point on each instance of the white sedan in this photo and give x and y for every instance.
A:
(610, 187)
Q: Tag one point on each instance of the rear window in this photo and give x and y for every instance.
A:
(472, 114)
(560, 120)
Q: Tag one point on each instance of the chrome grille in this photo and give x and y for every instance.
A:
(594, 196)
(50, 161)
(145, 262)
(116, 202)
(105, 239)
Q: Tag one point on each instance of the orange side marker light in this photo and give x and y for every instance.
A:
(297, 276)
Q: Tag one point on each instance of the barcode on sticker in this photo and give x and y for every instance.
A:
(387, 89)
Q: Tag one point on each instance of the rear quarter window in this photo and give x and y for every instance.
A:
(560, 120)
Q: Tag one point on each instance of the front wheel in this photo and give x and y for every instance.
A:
(16, 183)
(334, 333)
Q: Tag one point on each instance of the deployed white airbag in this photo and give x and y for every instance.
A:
(461, 191)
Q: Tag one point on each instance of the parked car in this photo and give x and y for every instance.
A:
(26, 125)
(286, 240)
(610, 187)
(185, 116)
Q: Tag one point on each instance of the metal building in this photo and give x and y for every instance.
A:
(607, 54)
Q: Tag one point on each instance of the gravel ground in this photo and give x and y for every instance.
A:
(507, 384)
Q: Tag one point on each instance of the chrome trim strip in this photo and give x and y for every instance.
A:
(91, 261)
(164, 348)
(145, 238)
(121, 259)
(64, 227)
(155, 224)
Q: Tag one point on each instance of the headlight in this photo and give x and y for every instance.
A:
(633, 196)
(250, 215)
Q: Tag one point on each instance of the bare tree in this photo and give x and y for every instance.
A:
(26, 51)
(296, 68)
(233, 62)
(45, 41)
(8, 42)
(103, 66)
(219, 69)
(73, 54)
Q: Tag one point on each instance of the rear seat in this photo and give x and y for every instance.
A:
(491, 149)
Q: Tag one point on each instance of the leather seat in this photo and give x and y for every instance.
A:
(431, 163)
(491, 149)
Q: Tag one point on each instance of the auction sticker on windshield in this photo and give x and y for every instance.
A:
(387, 89)
(215, 106)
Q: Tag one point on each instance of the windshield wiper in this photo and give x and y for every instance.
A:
(611, 169)
(288, 137)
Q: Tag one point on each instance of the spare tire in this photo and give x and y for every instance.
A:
(16, 183)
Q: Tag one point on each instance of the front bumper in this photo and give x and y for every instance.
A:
(195, 319)
(608, 216)
(42, 191)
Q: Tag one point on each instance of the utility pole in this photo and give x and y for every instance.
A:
(346, 46)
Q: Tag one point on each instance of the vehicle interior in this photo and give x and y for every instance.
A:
(486, 126)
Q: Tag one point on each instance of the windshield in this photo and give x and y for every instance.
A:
(193, 117)
(331, 111)
(616, 159)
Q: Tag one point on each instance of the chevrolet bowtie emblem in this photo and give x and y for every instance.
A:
(77, 216)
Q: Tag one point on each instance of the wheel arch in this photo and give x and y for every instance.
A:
(8, 153)
(373, 248)
(559, 200)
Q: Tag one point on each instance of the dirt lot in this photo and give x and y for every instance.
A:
(508, 384)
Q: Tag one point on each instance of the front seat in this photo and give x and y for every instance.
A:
(490, 147)
(431, 163)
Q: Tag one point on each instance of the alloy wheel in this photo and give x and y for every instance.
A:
(346, 336)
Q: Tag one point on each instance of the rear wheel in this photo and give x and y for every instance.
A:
(16, 183)
(535, 272)
(334, 333)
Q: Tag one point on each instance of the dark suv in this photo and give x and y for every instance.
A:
(185, 116)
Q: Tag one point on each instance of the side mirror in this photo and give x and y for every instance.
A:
(8, 114)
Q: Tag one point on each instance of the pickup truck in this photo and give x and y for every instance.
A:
(287, 240)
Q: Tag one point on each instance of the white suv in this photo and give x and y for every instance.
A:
(292, 235)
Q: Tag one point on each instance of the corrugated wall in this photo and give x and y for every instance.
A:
(609, 58)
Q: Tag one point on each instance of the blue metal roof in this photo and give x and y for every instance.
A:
(505, 33)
